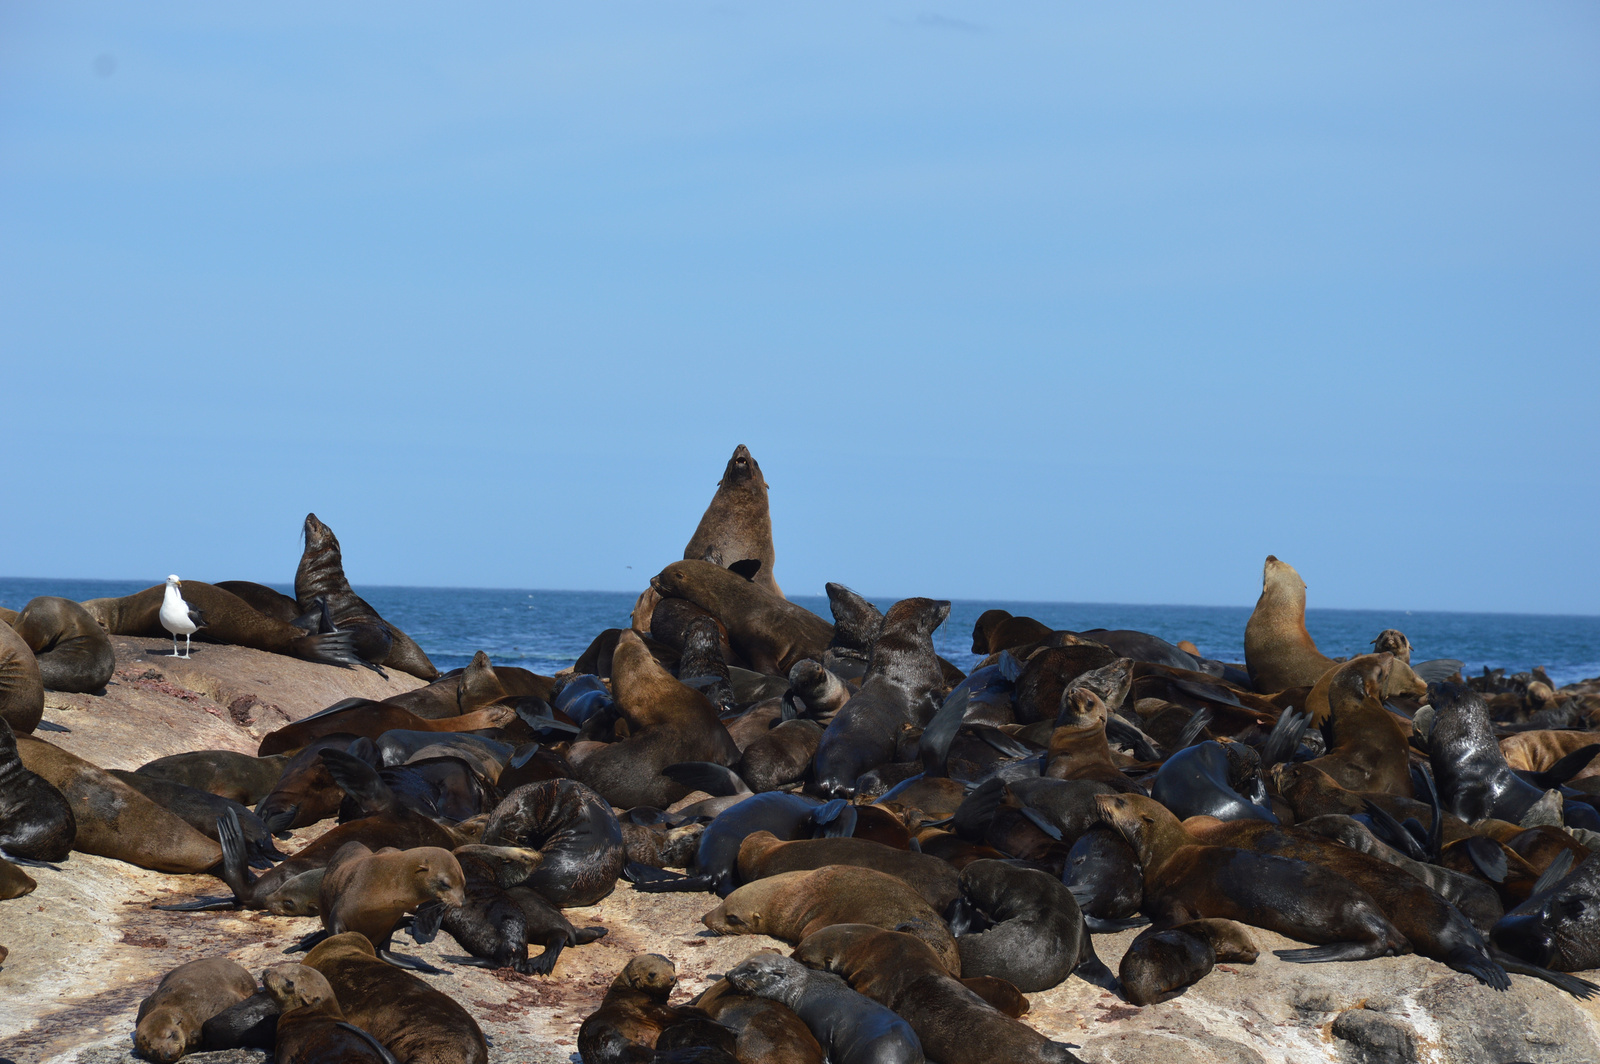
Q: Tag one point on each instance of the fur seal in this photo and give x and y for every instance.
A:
(1473, 778)
(1037, 937)
(736, 529)
(787, 816)
(1103, 874)
(763, 854)
(201, 811)
(1542, 750)
(850, 1027)
(1278, 651)
(21, 686)
(1219, 778)
(900, 972)
(769, 633)
(1368, 750)
(169, 1020)
(14, 882)
(1557, 928)
(311, 1028)
(903, 687)
(1184, 881)
(363, 717)
(113, 819)
(36, 820)
(997, 630)
(580, 846)
(1161, 964)
(630, 1020)
(73, 651)
(417, 1023)
(795, 904)
(1046, 674)
(369, 892)
(224, 773)
(767, 1032)
(229, 619)
(1078, 747)
(671, 723)
(321, 576)
(249, 1024)
(305, 791)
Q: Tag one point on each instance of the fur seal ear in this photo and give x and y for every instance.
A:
(748, 568)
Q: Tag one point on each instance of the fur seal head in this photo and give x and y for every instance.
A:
(295, 986)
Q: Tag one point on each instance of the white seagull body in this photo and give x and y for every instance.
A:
(179, 618)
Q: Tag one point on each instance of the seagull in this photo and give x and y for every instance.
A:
(179, 618)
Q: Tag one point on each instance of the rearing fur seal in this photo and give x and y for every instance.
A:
(736, 528)
(1278, 651)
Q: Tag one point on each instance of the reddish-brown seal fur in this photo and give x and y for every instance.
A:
(1278, 651)
(311, 1028)
(372, 719)
(763, 854)
(1370, 750)
(169, 1020)
(767, 632)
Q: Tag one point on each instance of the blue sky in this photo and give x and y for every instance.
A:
(1026, 301)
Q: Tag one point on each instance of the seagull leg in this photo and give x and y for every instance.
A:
(186, 644)
(174, 644)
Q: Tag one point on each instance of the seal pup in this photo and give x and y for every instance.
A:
(769, 633)
(1078, 747)
(21, 686)
(735, 532)
(903, 687)
(36, 820)
(850, 1027)
(14, 882)
(311, 1028)
(417, 1023)
(631, 1019)
(1162, 964)
(73, 651)
(320, 575)
(900, 972)
(1278, 651)
(169, 1020)
(767, 1032)
(1185, 881)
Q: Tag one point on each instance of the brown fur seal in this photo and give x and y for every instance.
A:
(903, 687)
(998, 630)
(768, 1031)
(36, 820)
(21, 687)
(113, 819)
(902, 973)
(14, 882)
(630, 1020)
(1536, 751)
(736, 530)
(1278, 651)
(851, 1027)
(763, 854)
(224, 773)
(821, 693)
(170, 1019)
(671, 723)
(369, 892)
(1184, 881)
(578, 839)
(1391, 641)
(1368, 750)
(771, 635)
(372, 719)
(311, 1028)
(321, 576)
(73, 651)
(1047, 674)
(1161, 964)
(229, 619)
(795, 904)
(1078, 746)
(417, 1023)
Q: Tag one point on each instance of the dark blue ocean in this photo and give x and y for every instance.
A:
(547, 630)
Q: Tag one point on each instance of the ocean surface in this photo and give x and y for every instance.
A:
(547, 630)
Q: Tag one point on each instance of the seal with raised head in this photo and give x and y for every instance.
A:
(769, 633)
(311, 1028)
(1278, 651)
(793, 905)
(900, 972)
(1368, 750)
(736, 529)
(417, 1023)
(36, 820)
(21, 687)
(73, 651)
(321, 576)
(369, 892)
(169, 1020)
(850, 1027)
(1474, 779)
(903, 687)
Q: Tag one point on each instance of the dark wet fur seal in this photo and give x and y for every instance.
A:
(250, 1024)
(1278, 651)
(672, 723)
(903, 687)
(575, 832)
(735, 532)
(200, 811)
(73, 651)
(416, 1022)
(1213, 778)
(793, 905)
(781, 756)
(850, 1027)
(787, 816)
(21, 686)
(229, 619)
(1046, 675)
(763, 854)
(36, 820)
(305, 791)
(769, 633)
(1558, 928)
(1161, 964)
(1037, 937)
(1473, 777)
(311, 1027)
(224, 773)
(702, 664)
(113, 819)
(170, 1019)
(900, 972)
(321, 576)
